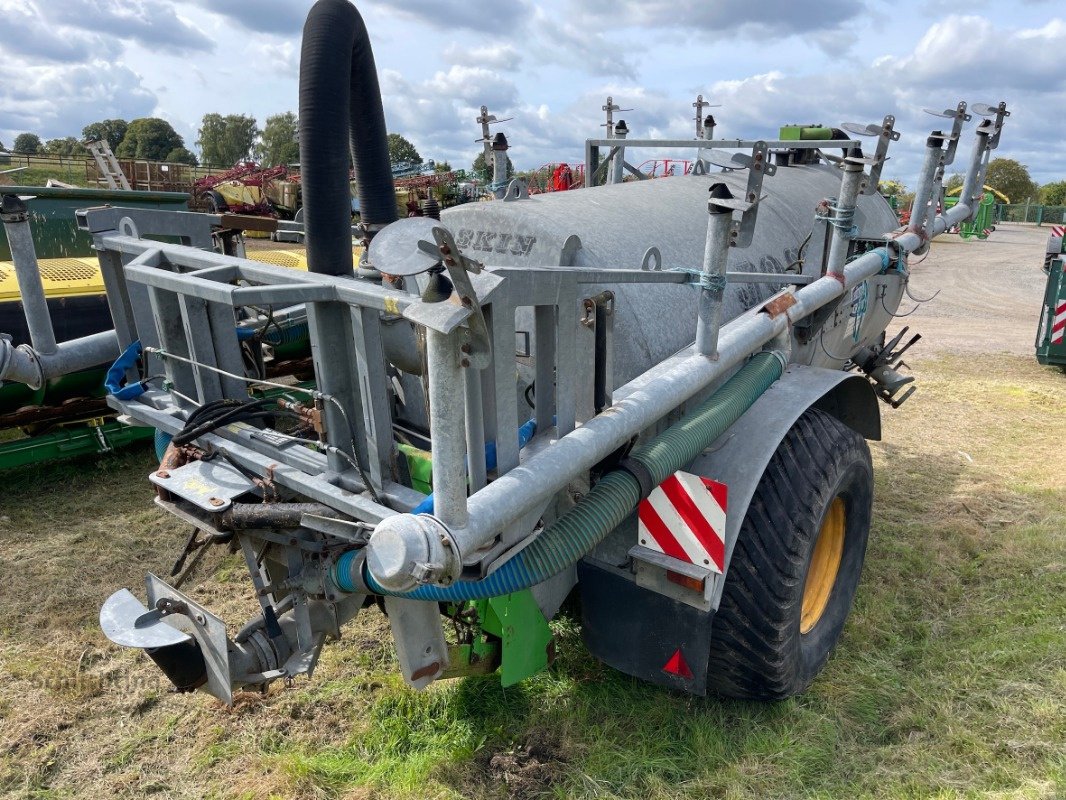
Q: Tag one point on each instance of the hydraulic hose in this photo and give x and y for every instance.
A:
(611, 500)
(341, 116)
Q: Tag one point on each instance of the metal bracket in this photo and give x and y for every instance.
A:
(516, 190)
(476, 345)
(886, 133)
(1000, 113)
(209, 631)
(958, 116)
(758, 166)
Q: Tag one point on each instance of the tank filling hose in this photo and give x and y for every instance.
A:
(614, 497)
(340, 113)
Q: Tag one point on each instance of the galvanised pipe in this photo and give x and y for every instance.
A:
(617, 173)
(974, 175)
(639, 404)
(712, 286)
(499, 165)
(923, 193)
(447, 428)
(936, 195)
(24, 364)
(475, 428)
(31, 290)
(843, 217)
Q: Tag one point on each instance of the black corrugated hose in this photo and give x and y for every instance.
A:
(340, 114)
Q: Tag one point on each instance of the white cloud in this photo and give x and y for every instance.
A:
(767, 18)
(155, 23)
(495, 56)
(487, 16)
(59, 100)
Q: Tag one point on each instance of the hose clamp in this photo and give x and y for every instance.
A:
(640, 473)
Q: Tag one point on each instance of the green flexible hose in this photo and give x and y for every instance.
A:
(613, 498)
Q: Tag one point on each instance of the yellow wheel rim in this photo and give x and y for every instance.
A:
(825, 563)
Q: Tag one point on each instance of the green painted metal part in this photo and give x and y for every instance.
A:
(982, 223)
(510, 634)
(1054, 299)
(81, 440)
(420, 467)
(88, 383)
(795, 133)
(55, 232)
(526, 639)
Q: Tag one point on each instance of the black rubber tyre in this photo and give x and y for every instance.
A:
(214, 203)
(757, 649)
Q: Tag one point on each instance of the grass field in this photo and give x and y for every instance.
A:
(950, 681)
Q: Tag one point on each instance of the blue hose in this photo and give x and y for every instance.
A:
(611, 500)
(162, 442)
(525, 433)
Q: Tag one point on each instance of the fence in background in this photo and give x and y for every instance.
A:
(81, 171)
(1030, 212)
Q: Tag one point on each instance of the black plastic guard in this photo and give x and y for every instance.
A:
(639, 632)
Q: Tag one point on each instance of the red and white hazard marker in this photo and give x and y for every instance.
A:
(1058, 324)
(1054, 241)
(684, 518)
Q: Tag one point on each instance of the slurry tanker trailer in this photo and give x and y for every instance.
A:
(651, 394)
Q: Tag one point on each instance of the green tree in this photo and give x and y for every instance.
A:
(279, 142)
(67, 146)
(483, 169)
(225, 140)
(180, 155)
(1011, 178)
(27, 144)
(110, 130)
(954, 181)
(149, 138)
(442, 166)
(1053, 194)
(891, 188)
(401, 150)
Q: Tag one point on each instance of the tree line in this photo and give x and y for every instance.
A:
(1006, 175)
(222, 140)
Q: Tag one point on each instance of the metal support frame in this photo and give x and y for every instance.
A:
(594, 166)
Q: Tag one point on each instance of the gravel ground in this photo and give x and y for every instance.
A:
(990, 293)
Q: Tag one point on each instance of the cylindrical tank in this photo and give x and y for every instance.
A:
(618, 224)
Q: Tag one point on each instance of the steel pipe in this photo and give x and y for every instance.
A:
(24, 364)
(641, 403)
(447, 427)
(712, 286)
(843, 215)
(923, 192)
(974, 173)
(31, 290)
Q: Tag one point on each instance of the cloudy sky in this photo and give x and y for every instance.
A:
(550, 64)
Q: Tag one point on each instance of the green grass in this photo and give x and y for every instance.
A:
(38, 175)
(949, 682)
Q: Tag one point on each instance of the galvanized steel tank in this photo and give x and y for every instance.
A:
(616, 225)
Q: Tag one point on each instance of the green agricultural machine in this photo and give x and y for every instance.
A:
(66, 414)
(1051, 331)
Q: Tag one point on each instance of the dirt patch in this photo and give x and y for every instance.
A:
(520, 772)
